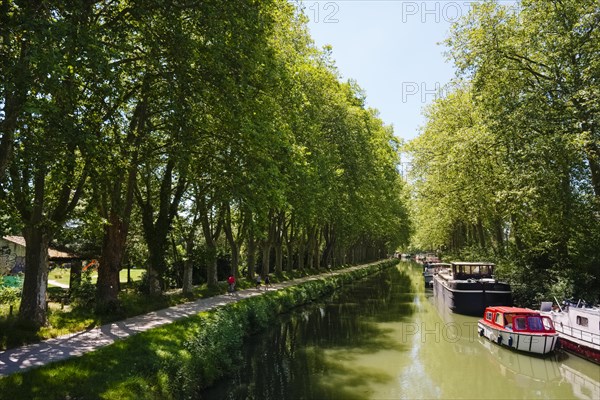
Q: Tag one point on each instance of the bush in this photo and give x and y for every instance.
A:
(84, 295)
(9, 295)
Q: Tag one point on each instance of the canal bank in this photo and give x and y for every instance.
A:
(170, 361)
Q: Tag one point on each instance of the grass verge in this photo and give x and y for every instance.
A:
(64, 319)
(61, 275)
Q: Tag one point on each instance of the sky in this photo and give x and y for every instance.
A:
(392, 49)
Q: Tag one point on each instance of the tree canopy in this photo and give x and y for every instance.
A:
(508, 159)
(212, 123)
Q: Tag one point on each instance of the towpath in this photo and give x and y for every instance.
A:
(76, 344)
(57, 283)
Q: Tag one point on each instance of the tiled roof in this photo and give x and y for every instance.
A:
(20, 240)
(52, 253)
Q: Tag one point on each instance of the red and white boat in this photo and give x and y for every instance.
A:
(578, 327)
(520, 329)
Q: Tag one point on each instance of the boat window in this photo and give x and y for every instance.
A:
(548, 324)
(535, 324)
(488, 315)
(499, 319)
(508, 319)
(519, 324)
(583, 321)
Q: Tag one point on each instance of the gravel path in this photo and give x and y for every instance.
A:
(57, 283)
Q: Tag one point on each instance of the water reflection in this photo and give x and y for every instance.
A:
(384, 337)
(312, 353)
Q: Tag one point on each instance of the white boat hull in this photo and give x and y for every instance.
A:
(579, 330)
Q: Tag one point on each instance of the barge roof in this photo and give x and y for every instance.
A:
(471, 263)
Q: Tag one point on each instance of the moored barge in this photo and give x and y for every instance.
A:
(469, 287)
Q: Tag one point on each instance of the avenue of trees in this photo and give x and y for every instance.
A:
(172, 134)
(508, 164)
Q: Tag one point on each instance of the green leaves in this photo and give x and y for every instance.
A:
(509, 158)
(136, 107)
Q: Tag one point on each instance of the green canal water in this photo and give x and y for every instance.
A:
(385, 338)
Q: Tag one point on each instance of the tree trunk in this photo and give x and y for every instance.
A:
(188, 278)
(343, 255)
(329, 235)
(251, 256)
(289, 237)
(156, 231)
(278, 234)
(313, 248)
(289, 262)
(187, 283)
(315, 252)
(33, 307)
(212, 278)
(235, 259)
(156, 235)
(279, 259)
(309, 251)
(301, 253)
(326, 260)
(75, 275)
(188, 267)
(235, 254)
(233, 244)
(113, 249)
(156, 265)
(481, 233)
(266, 255)
(33, 303)
(211, 234)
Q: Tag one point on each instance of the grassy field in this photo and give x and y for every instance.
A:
(61, 275)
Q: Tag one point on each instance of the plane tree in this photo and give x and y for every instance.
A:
(56, 133)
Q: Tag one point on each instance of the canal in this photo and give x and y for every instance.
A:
(385, 338)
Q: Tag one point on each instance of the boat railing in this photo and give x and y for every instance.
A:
(579, 334)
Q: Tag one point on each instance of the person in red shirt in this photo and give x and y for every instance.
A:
(231, 282)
